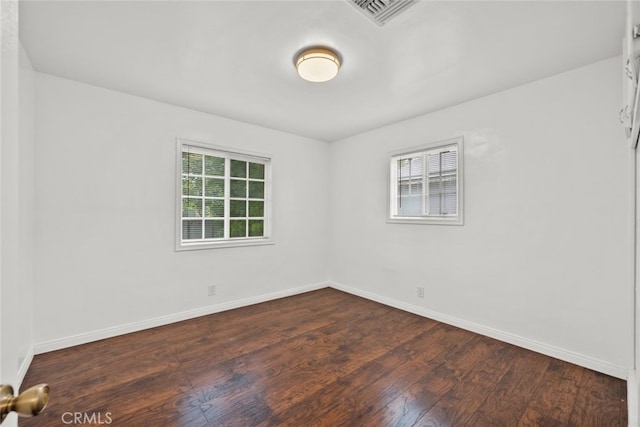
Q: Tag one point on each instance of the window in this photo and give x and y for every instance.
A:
(426, 184)
(223, 197)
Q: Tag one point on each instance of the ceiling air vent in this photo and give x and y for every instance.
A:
(381, 11)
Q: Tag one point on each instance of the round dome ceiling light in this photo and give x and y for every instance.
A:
(317, 64)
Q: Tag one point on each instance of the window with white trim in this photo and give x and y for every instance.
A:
(426, 184)
(223, 197)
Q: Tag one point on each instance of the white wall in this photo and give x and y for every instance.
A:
(16, 204)
(544, 258)
(105, 226)
(25, 183)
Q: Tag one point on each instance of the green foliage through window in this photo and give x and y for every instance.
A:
(223, 198)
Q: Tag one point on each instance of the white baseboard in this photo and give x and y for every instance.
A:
(546, 349)
(24, 367)
(87, 337)
(557, 352)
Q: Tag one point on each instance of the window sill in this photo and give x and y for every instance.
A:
(426, 220)
(224, 244)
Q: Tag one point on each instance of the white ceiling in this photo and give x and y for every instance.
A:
(235, 58)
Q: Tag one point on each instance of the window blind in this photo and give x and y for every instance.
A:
(425, 184)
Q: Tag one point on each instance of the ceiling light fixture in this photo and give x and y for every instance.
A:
(317, 64)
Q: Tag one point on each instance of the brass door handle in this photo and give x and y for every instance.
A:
(29, 403)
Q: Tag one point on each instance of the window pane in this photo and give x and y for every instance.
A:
(191, 207)
(256, 208)
(192, 163)
(444, 163)
(238, 169)
(256, 190)
(238, 188)
(213, 187)
(449, 161)
(256, 171)
(435, 199)
(238, 228)
(410, 205)
(191, 229)
(256, 228)
(433, 164)
(191, 186)
(443, 198)
(410, 168)
(450, 197)
(213, 208)
(214, 166)
(410, 197)
(410, 194)
(238, 208)
(213, 229)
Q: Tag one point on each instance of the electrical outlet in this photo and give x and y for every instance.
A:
(212, 290)
(420, 291)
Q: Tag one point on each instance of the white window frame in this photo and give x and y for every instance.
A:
(425, 218)
(228, 154)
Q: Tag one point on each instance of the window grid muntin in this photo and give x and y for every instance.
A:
(246, 218)
(228, 158)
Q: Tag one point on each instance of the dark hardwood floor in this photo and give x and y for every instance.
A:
(323, 358)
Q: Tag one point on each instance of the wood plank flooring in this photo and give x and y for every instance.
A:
(323, 358)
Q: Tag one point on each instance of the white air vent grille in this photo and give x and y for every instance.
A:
(381, 11)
